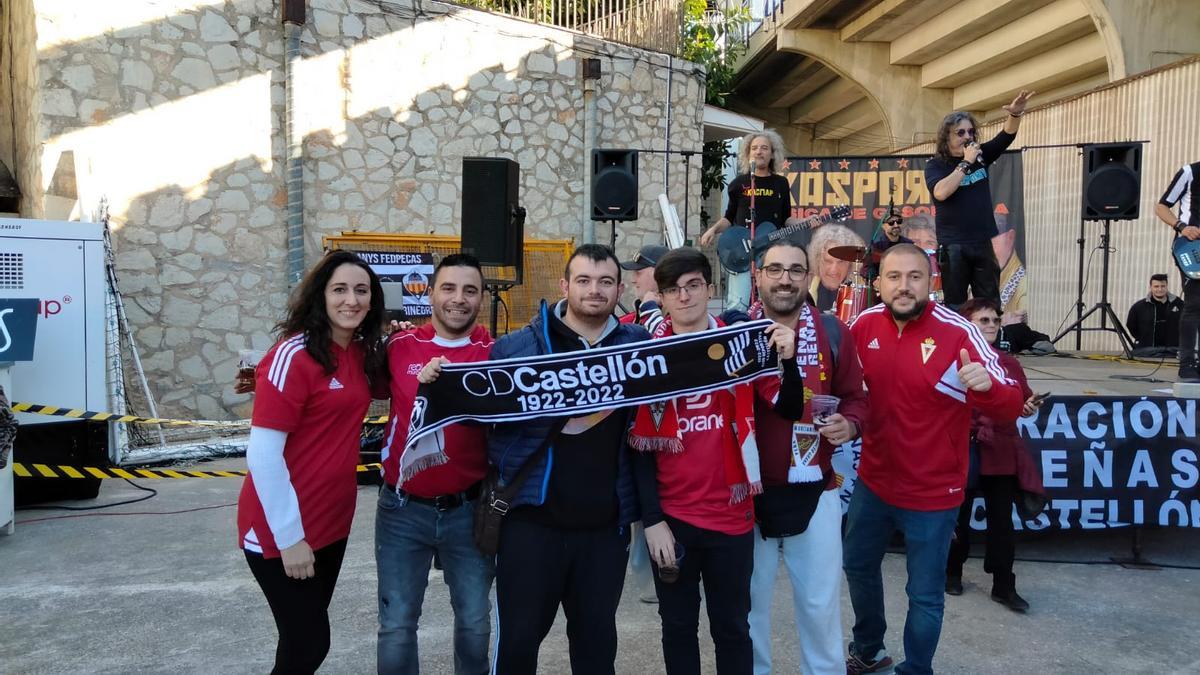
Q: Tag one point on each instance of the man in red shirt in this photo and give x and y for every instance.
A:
(700, 526)
(432, 510)
(925, 368)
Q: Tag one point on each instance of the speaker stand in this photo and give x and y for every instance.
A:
(1103, 306)
(495, 288)
(612, 239)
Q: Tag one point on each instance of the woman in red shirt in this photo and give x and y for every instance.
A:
(313, 388)
(999, 446)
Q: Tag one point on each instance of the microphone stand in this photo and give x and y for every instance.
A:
(753, 262)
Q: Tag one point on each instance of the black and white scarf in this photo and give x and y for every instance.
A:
(579, 383)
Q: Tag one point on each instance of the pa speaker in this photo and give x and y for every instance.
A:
(1112, 181)
(491, 228)
(614, 184)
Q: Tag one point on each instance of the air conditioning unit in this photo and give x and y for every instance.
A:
(61, 265)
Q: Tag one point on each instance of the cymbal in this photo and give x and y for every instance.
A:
(856, 254)
(848, 253)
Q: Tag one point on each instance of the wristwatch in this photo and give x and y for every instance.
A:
(1179, 225)
(964, 165)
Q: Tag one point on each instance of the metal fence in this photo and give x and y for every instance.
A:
(649, 24)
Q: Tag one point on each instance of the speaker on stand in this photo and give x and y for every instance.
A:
(1111, 190)
(614, 187)
(493, 224)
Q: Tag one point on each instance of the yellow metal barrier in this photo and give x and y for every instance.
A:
(544, 261)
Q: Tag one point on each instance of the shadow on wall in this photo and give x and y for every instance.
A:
(180, 121)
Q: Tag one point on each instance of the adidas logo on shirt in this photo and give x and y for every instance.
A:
(874, 344)
(334, 384)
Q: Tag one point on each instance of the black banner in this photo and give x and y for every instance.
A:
(870, 184)
(1106, 462)
(583, 382)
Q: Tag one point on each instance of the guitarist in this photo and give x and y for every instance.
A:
(762, 154)
(1185, 191)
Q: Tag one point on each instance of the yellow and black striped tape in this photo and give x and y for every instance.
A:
(60, 471)
(75, 413)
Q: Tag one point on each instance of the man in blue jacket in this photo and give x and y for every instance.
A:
(566, 540)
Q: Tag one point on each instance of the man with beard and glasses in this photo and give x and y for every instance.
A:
(799, 514)
(925, 367)
(430, 512)
(565, 542)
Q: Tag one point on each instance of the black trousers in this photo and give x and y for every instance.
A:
(300, 607)
(969, 265)
(999, 494)
(724, 563)
(539, 568)
(1189, 328)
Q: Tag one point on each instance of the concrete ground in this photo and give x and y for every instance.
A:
(160, 587)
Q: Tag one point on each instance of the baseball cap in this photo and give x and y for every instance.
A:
(647, 256)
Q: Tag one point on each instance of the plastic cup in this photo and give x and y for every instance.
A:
(823, 406)
(248, 360)
(669, 574)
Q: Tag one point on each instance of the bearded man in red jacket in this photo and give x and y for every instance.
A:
(925, 368)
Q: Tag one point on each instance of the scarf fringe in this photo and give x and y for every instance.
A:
(656, 444)
(805, 474)
(420, 464)
(738, 493)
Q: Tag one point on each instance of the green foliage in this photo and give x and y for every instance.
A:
(713, 39)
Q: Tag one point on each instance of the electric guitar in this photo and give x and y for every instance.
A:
(735, 248)
(1187, 256)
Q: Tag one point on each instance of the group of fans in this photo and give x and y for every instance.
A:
(723, 485)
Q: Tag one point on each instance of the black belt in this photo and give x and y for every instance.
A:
(440, 502)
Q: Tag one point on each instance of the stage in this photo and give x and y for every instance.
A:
(1099, 374)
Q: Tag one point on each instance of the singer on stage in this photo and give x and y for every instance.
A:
(957, 177)
(761, 154)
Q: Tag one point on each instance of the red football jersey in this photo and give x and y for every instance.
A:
(692, 485)
(465, 445)
(322, 415)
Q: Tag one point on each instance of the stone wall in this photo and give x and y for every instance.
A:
(174, 115)
(19, 103)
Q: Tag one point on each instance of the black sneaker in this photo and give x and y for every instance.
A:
(1011, 600)
(954, 586)
(856, 664)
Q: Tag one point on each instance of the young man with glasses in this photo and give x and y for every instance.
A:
(700, 527)
(957, 176)
(799, 514)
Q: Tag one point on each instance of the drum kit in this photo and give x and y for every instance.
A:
(856, 293)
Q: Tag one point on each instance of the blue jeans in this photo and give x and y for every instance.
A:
(406, 535)
(870, 524)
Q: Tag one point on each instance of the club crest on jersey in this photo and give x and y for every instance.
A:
(656, 412)
(927, 348)
(417, 419)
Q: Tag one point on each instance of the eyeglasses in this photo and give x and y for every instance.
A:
(988, 320)
(965, 132)
(692, 287)
(776, 272)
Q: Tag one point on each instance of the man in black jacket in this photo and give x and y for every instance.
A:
(1154, 320)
